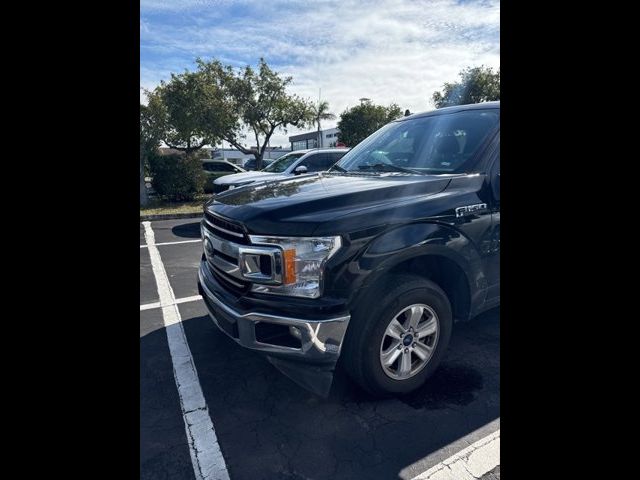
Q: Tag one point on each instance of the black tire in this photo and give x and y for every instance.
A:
(361, 350)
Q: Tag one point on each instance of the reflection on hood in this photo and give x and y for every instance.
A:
(248, 177)
(316, 203)
(270, 188)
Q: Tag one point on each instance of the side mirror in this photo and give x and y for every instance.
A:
(300, 170)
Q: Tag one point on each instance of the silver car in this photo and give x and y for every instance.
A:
(293, 163)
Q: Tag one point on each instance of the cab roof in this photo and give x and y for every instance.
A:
(453, 109)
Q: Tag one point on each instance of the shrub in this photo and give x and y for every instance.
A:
(177, 177)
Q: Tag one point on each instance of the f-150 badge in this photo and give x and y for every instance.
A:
(469, 209)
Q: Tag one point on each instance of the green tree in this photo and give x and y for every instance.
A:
(151, 134)
(320, 112)
(256, 102)
(477, 84)
(190, 110)
(358, 122)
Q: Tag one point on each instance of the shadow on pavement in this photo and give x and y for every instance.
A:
(187, 230)
(268, 427)
(164, 451)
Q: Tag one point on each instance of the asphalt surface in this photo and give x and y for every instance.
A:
(269, 428)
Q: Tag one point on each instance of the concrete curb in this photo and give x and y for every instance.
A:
(169, 216)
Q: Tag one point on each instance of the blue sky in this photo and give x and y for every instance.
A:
(387, 50)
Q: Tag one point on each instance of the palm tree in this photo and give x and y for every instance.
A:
(321, 112)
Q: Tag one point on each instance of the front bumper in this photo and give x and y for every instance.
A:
(320, 339)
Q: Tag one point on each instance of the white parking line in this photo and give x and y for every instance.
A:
(206, 457)
(170, 243)
(149, 306)
(468, 464)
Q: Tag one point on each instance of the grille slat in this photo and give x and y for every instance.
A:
(226, 257)
(225, 229)
(229, 282)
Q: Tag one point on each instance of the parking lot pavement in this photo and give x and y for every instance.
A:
(148, 289)
(493, 474)
(142, 240)
(164, 451)
(181, 262)
(177, 230)
(268, 427)
(150, 321)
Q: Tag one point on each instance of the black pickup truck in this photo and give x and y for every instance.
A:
(371, 262)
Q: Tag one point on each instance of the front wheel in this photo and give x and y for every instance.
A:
(396, 346)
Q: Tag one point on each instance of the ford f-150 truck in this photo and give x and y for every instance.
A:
(371, 262)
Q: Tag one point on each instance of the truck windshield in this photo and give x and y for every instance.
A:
(437, 144)
(282, 163)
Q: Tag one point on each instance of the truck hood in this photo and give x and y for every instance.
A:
(325, 204)
(248, 177)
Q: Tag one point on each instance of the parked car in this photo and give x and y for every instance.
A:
(216, 169)
(372, 261)
(250, 164)
(293, 163)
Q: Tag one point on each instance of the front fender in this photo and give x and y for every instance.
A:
(379, 254)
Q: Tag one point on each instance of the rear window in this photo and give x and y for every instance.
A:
(217, 167)
(209, 167)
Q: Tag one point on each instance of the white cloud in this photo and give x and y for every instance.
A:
(388, 50)
(179, 5)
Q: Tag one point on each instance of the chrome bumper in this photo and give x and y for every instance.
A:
(321, 340)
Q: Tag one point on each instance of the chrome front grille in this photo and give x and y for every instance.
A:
(224, 228)
(231, 284)
(233, 261)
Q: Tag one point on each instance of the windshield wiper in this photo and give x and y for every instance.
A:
(393, 168)
(337, 167)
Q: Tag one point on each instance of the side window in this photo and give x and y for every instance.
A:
(317, 163)
(225, 167)
(211, 167)
(335, 158)
(330, 159)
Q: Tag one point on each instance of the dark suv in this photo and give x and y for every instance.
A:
(370, 262)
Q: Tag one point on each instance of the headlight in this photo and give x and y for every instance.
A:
(303, 264)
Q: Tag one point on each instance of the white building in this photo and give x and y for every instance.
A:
(328, 138)
(236, 156)
(233, 155)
